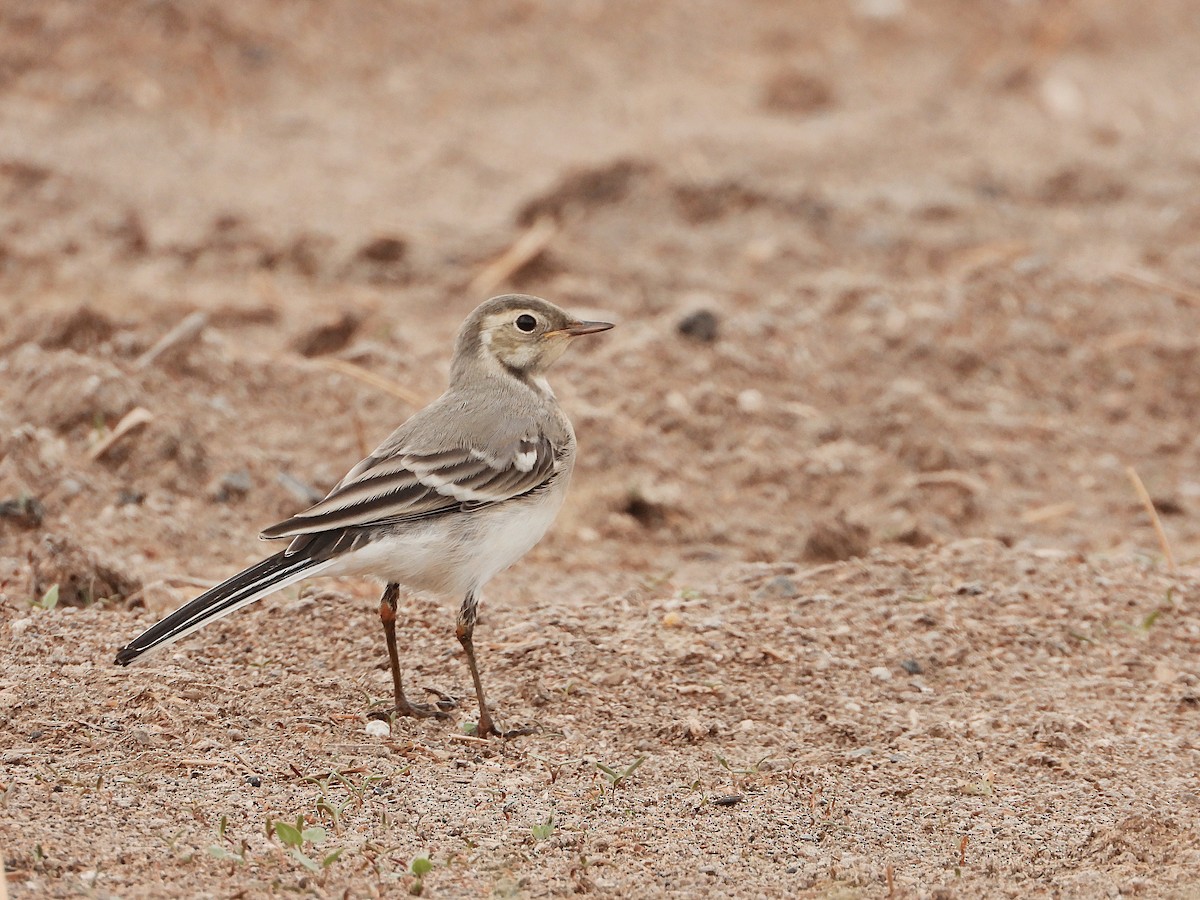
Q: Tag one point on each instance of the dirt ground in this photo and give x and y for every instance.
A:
(854, 595)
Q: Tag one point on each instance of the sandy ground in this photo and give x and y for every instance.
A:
(853, 596)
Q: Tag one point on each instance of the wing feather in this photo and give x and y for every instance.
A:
(404, 485)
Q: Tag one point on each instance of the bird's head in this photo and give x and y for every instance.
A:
(524, 334)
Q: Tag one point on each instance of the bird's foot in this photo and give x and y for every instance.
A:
(445, 702)
(486, 728)
(412, 711)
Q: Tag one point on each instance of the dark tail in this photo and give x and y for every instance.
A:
(266, 577)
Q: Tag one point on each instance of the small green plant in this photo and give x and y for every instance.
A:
(294, 837)
(615, 778)
(419, 868)
(49, 599)
(172, 842)
(753, 770)
(328, 805)
(219, 851)
(553, 767)
(545, 831)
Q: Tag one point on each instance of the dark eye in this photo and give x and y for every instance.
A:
(526, 323)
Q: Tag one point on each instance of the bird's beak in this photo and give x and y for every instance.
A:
(580, 328)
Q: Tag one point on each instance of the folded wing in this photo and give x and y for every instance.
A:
(403, 485)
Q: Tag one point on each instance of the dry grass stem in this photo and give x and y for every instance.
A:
(130, 422)
(520, 253)
(1155, 283)
(188, 329)
(1144, 496)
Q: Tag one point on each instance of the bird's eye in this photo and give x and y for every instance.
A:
(526, 323)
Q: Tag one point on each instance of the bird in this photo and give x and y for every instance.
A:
(458, 493)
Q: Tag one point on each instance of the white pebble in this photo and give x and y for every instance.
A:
(881, 673)
(751, 401)
(378, 728)
(677, 403)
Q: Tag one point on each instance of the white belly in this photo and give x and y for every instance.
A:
(456, 555)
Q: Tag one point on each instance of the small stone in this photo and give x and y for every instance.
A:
(384, 250)
(836, 539)
(751, 401)
(255, 781)
(232, 485)
(672, 620)
(329, 336)
(911, 666)
(677, 403)
(701, 325)
(780, 587)
(881, 673)
(378, 728)
(28, 512)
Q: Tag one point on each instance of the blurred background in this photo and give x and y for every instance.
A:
(886, 272)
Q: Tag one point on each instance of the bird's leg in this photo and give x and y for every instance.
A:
(467, 614)
(387, 613)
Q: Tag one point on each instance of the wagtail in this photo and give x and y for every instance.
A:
(459, 492)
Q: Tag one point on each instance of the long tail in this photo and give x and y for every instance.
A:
(264, 578)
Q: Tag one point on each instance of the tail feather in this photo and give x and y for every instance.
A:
(270, 575)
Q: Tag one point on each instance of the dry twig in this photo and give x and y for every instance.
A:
(1153, 282)
(1144, 496)
(187, 330)
(520, 253)
(131, 421)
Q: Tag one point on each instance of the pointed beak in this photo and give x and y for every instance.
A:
(580, 328)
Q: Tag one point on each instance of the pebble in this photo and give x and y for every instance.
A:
(378, 728)
(780, 586)
(677, 403)
(701, 325)
(231, 486)
(881, 673)
(751, 400)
